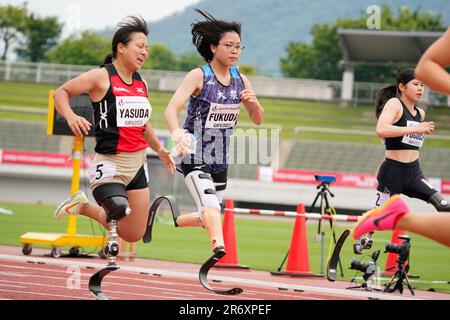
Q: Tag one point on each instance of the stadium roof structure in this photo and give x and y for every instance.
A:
(383, 47)
(379, 47)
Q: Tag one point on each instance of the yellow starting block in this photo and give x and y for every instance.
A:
(55, 240)
(58, 240)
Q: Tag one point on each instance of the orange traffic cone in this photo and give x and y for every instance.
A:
(230, 260)
(391, 261)
(298, 257)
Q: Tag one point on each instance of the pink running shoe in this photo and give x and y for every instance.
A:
(382, 218)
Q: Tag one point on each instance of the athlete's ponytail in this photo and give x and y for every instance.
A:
(392, 90)
(383, 96)
(108, 59)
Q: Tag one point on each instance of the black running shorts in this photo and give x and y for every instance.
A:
(396, 177)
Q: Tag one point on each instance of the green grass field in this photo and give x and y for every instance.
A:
(262, 243)
(287, 114)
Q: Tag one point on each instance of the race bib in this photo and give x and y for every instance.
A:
(101, 171)
(415, 139)
(132, 111)
(222, 116)
(382, 197)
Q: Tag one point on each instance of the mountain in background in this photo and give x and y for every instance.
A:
(269, 25)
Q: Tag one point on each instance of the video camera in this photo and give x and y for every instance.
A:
(369, 268)
(364, 243)
(325, 179)
(401, 274)
(401, 249)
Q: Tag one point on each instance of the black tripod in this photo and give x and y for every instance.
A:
(365, 285)
(370, 271)
(325, 208)
(400, 277)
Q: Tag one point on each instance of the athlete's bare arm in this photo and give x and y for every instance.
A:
(156, 145)
(391, 113)
(430, 68)
(251, 103)
(191, 85)
(95, 82)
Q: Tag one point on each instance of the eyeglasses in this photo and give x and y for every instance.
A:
(230, 48)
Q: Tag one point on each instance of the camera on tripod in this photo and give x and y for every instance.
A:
(325, 179)
(401, 249)
(364, 243)
(401, 274)
(369, 268)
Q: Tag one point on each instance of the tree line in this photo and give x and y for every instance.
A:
(320, 58)
(37, 38)
(33, 35)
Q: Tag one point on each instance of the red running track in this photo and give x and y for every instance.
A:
(37, 277)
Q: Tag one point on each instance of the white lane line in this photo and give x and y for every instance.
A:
(108, 283)
(259, 283)
(85, 295)
(108, 286)
(42, 294)
(11, 286)
(13, 274)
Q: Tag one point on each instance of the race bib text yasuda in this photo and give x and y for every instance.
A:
(132, 111)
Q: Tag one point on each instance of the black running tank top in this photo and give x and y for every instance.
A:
(407, 142)
(121, 116)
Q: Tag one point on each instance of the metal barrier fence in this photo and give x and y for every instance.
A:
(271, 87)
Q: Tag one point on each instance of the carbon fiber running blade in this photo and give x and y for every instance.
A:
(147, 238)
(203, 276)
(95, 282)
(333, 262)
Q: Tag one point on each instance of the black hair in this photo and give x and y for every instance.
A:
(392, 90)
(209, 32)
(125, 28)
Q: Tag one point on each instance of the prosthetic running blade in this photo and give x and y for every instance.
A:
(147, 238)
(203, 275)
(95, 282)
(333, 262)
